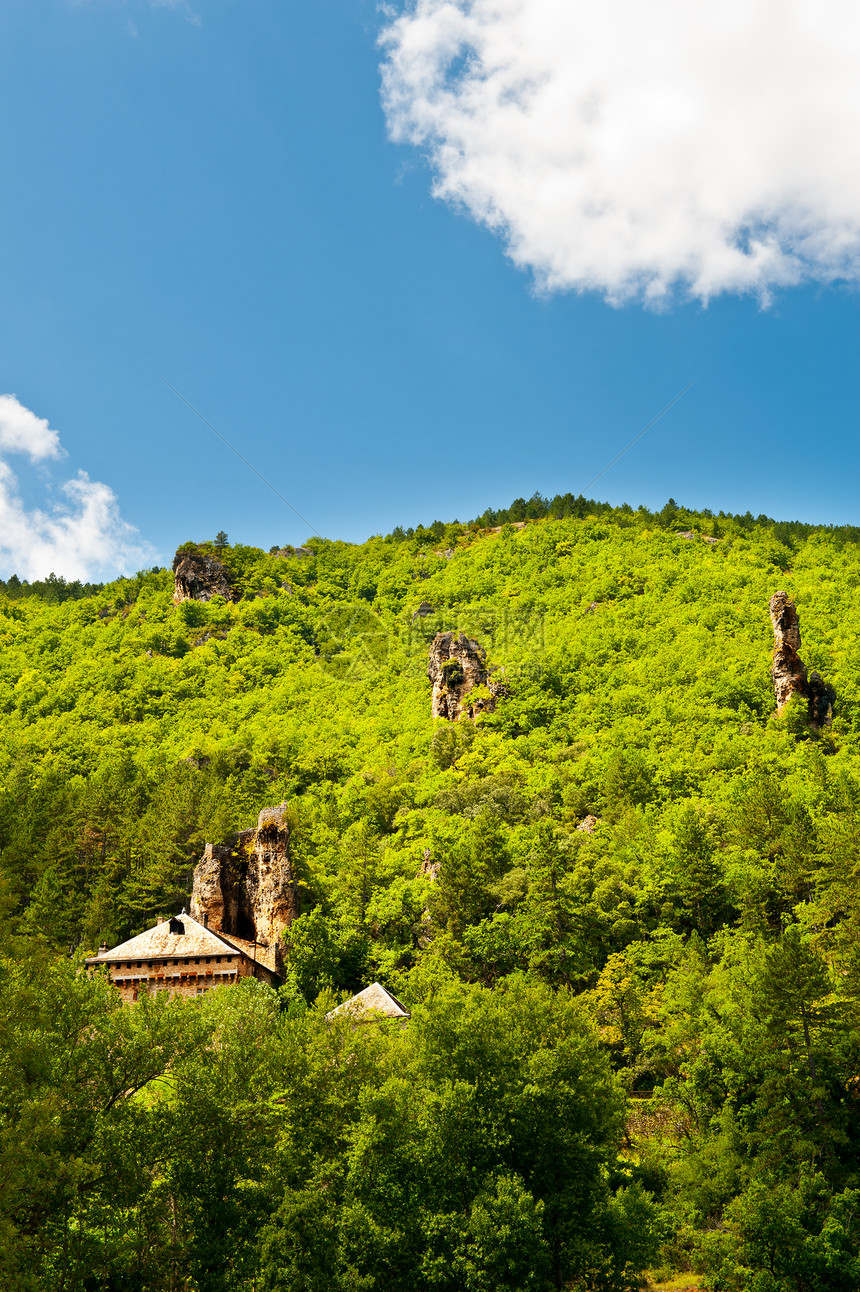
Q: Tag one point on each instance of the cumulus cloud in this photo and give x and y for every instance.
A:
(83, 536)
(23, 432)
(641, 147)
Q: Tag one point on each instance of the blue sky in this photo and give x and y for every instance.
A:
(209, 194)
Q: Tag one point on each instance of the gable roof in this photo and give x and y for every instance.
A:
(260, 952)
(159, 943)
(373, 1000)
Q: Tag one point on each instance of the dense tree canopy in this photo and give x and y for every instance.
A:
(643, 1035)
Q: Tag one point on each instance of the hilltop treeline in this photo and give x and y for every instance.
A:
(671, 516)
(693, 949)
(562, 507)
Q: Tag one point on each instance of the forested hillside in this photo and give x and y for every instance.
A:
(693, 951)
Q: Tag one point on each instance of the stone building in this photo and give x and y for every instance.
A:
(183, 957)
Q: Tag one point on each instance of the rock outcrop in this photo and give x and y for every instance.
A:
(199, 578)
(429, 868)
(458, 664)
(246, 887)
(788, 670)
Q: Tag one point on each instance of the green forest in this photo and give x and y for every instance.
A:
(634, 1052)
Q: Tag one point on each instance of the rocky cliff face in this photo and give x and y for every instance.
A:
(788, 670)
(246, 886)
(457, 665)
(199, 578)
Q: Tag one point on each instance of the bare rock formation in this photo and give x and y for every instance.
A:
(429, 868)
(458, 664)
(199, 578)
(246, 887)
(788, 670)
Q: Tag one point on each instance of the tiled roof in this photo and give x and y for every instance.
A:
(158, 942)
(253, 950)
(373, 1000)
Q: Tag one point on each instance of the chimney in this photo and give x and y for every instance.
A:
(103, 948)
(161, 919)
(206, 921)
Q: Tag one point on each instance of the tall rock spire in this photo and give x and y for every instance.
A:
(788, 670)
(246, 886)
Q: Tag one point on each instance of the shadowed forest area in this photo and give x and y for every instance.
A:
(623, 909)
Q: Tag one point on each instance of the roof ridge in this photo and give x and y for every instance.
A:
(126, 948)
(392, 996)
(233, 940)
(216, 933)
(363, 999)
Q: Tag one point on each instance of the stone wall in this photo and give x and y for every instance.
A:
(185, 979)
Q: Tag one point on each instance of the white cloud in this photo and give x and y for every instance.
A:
(23, 432)
(639, 147)
(82, 537)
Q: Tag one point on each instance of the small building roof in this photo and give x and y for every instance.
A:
(373, 1000)
(171, 938)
